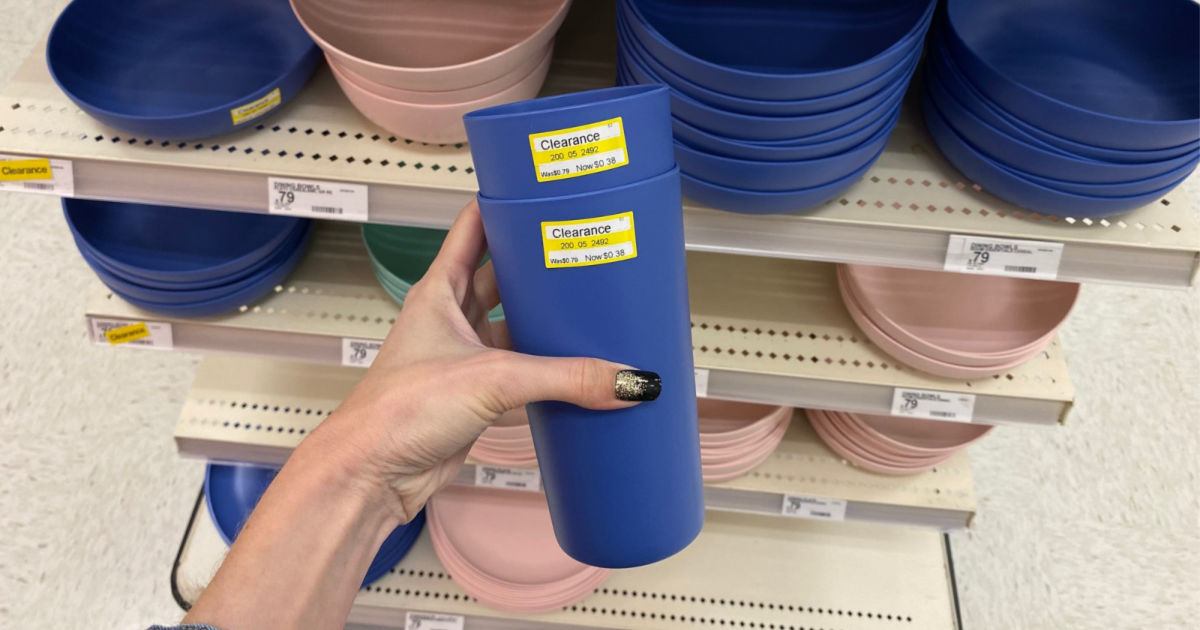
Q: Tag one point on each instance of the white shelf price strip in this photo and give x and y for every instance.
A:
(529, 479)
(1003, 257)
(432, 621)
(816, 508)
(931, 405)
(317, 199)
(360, 352)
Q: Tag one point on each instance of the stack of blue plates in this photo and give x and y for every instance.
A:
(232, 491)
(1068, 107)
(776, 106)
(184, 262)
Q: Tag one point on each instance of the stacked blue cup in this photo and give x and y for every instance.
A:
(581, 205)
(777, 106)
(1068, 107)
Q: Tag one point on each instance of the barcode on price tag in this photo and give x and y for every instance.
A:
(37, 175)
(317, 200)
(114, 332)
(1003, 257)
(816, 508)
(931, 405)
(508, 478)
(432, 621)
(360, 352)
(701, 382)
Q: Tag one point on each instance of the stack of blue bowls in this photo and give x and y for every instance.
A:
(1082, 108)
(776, 106)
(231, 491)
(183, 262)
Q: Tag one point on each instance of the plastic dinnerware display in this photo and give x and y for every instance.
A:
(917, 437)
(778, 51)
(773, 151)
(434, 123)
(872, 445)
(736, 437)
(232, 491)
(570, 144)
(500, 547)
(179, 70)
(431, 46)
(1086, 70)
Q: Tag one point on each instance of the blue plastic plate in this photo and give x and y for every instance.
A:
(1008, 185)
(246, 295)
(813, 129)
(760, 176)
(175, 244)
(232, 491)
(179, 70)
(767, 50)
(751, 202)
(1091, 71)
(859, 99)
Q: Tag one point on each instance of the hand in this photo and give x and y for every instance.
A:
(444, 375)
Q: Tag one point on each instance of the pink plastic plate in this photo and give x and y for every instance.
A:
(851, 452)
(725, 471)
(916, 436)
(431, 45)
(724, 422)
(957, 318)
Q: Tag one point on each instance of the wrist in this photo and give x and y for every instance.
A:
(339, 467)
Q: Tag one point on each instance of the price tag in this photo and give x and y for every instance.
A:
(114, 332)
(930, 405)
(37, 175)
(432, 621)
(701, 382)
(815, 508)
(359, 352)
(1003, 257)
(317, 200)
(508, 478)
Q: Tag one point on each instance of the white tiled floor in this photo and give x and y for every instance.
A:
(1093, 525)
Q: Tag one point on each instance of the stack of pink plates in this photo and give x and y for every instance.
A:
(414, 67)
(499, 546)
(737, 437)
(891, 445)
(952, 324)
(508, 442)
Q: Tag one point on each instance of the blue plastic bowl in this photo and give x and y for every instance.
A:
(755, 202)
(813, 129)
(1003, 182)
(175, 244)
(859, 99)
(232, 491)
(1049, 169)
(1099, 72)
(243, 296)
(760, 176)
(979, 104)
(179, 70)
(502, 147)
(130, 288)
(779, 51)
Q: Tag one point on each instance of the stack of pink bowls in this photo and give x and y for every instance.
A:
(499, 546)
(737, 437)
(414, 67)
(892, 445)
(955, 325)
(508, 442)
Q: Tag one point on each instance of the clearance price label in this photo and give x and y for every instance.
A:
(115, 332)
(37, 175)
(589, 241)
(579, 150)
(256, 108)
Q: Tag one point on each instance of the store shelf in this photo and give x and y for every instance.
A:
(258, 410)
(767, 330)
(742, 571)
(901, 214)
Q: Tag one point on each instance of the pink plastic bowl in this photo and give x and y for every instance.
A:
(431, 45)
(435, 124)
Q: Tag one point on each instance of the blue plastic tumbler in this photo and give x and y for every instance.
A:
(571, 144)
(603, 274)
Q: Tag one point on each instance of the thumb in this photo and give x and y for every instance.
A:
(590, 383)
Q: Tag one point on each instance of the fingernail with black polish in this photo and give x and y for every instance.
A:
(638, 385)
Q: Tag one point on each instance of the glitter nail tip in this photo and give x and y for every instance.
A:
(637, 385)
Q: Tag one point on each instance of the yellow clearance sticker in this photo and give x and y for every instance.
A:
(25, 170)
(577, 151)
(125, 334)
(589, 241)
(256, 108)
